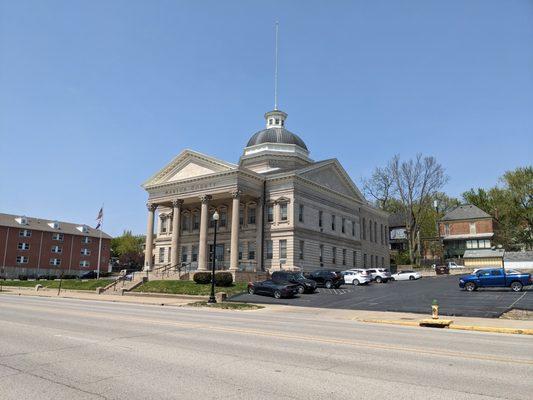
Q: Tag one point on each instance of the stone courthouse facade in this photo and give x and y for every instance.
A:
(278, 209)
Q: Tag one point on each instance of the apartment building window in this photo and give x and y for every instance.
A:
(86, 240)
(223, 221)
(185, 222)
(283, 211)
(343, 229)
(321, 254)
(23, 246)
(270, 213)
(56, 262)
(282, 249)
(240, 251)
(472, 228)
(251, 250)
(364, 228)
(58, 237)
(56, 249)
(334, 255)
(365, 261)
(22, 259)
(25, 233)
(194, 253)
(301, 213)
(301, 253)
(375, 232)
(269, 250)
(251, 216)
(447, 229)
(354, 261)
(161, 254)
(343, 256)
(85, 252)
(195, 221)
(332, 222)
(163, 225)
(320, 219)
(184, 254)
(85, 263)
(370, 230)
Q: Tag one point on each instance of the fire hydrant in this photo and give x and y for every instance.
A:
(435, 310)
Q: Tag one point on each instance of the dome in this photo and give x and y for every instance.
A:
(276, 135)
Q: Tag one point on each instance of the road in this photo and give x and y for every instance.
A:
(74, 349)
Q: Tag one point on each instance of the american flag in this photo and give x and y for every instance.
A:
(100, 218)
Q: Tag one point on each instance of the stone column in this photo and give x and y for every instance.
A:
(174, 244)
(259, 220)
(234, 252)
(202, 245)
(149, 237)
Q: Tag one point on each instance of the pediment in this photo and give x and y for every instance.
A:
(330, 174)
(187, 165)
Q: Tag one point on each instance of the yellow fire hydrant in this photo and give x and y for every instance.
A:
(435, 310)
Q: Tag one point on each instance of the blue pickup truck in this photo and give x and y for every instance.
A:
(495, 277)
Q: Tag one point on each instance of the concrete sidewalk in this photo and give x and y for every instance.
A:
(377, 317)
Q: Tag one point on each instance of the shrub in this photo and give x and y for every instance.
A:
(223, 278)
(202, 277)
(51, 277)
(23, 277)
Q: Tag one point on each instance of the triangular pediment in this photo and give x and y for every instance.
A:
(331, 175)
(187, 165)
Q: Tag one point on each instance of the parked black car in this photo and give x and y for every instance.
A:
(89, 275)
(272, 288)
(327, 278)
(304, 285)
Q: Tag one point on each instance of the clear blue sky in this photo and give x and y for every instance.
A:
(96, 96)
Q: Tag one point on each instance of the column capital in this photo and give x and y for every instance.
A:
(177, 203)
(205, 198)
(151, 206)
(236, 193)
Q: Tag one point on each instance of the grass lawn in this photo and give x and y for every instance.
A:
(73, 284)
(188, 287)
(227, 306)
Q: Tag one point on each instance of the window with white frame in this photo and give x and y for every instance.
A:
(269, 250)
(57, 249)
(472, 228)
(86, 240)
(23, 246)
(161, 254)
(194, 253)
(58, 237)
(251, 215)
(56, 262)
(447, 229)
(85, 252)
(283, 248)
(283, 211)
(22, 259)
(25, 233)
(85, 263)
(163, 224)
(270, 213)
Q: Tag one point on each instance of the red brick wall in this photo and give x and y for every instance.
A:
(463, 227)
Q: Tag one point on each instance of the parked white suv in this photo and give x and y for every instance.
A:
(356, 277)
(379, 274)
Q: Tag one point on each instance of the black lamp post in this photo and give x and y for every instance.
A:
(212, 298)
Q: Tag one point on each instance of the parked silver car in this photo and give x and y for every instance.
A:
(379, 274)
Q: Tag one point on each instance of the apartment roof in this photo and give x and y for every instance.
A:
(518, 256)
(484, 253)
(40, 224)
(466, 211)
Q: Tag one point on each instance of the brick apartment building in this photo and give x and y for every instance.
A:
(40, 247)
(466, 227)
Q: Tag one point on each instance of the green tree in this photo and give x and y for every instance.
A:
(129, 249)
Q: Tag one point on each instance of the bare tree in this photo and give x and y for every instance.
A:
(380, 186)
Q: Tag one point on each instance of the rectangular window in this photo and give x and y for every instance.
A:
(25, 233)
(161, 254)
(343, 228)
(251, 250)
(447, 229)
(283, 211)
(365, 264)
(383, 262)
(321, 256)
(472, 228)
(343, 256)
(270, 213)
(269, 250)
(86, 240)
(375, 232)
(251, 216)
(22, 259)
(282, 249)
(386, 234)
(301, 252)
(56, 262)
(223, 221)
(85, 252)
(334, 255)
(353, 228)
(58, 237)
(85, 263)
(184, 254)
(163, 225)
(364, 228)
(240, 251)
(301, 213)
(372, 261)
(332, 222)
(370, 230)
(23, 246)
(381, 232)
(354, 254)
(195, 221)
(320, 219)
(56, 249)
(241, 216)
(194, 253)
(185, 222)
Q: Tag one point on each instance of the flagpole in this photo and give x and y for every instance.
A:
(100, 246)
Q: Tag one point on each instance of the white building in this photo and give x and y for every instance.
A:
(277, 207)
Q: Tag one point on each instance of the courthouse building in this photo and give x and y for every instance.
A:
(278, 209)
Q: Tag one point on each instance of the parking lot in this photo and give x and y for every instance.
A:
(410, 296)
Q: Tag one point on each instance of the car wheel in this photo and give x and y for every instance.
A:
(277, 294)
(251, 290)
(378, 279)
(328, 284)
(301, 289)
(470, 286)
(516, 286)
(411, 278)
(392, 279)
(355, 282)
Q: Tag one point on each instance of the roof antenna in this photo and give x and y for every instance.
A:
(276, 71)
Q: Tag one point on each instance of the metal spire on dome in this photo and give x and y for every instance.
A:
(276, 71)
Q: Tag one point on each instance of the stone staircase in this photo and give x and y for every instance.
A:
(121, 285)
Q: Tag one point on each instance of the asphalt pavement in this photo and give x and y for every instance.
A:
(67, 349)
(410, 296)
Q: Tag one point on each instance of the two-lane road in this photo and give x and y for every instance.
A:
(72, 349)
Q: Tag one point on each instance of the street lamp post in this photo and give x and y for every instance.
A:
(212, 298)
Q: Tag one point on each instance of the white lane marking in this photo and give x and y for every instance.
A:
(77, 338)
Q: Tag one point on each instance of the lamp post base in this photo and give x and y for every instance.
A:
(211, 300)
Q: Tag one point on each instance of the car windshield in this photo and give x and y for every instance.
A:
(297, 276)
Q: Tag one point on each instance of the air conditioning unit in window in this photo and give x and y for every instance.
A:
(54, 225)
(22, 220)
